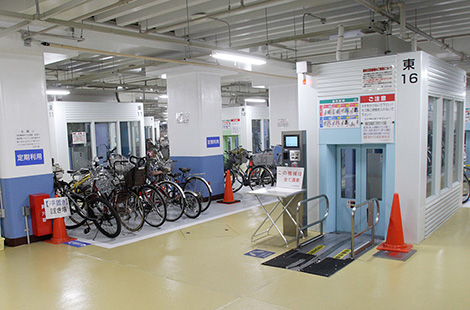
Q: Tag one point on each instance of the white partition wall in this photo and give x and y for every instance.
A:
(81, 131)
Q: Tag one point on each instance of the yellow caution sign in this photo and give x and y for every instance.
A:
(342, 254)
(315, 250)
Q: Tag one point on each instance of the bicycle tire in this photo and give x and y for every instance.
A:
(174, 198)
(201, 187)
(260, 176)
(105, 217)
(465, 189)
(192, 208)
(77, 205)
(129, 207)
(154, 205)
(236, 179)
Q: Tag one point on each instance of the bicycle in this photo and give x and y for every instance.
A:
(465, 185)
(84, 209)
(196, 184)
(255, 176)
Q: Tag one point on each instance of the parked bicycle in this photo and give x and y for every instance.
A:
(465, 185)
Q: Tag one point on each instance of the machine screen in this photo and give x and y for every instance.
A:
(291, 141)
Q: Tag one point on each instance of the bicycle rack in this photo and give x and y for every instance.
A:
(371, 224)
(299, 230)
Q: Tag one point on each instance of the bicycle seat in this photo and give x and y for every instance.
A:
(184, 170)
(175, 175)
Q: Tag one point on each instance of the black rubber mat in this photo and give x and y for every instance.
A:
(327, 267)
(289, 258)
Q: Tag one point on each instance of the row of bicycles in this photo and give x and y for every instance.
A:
(129, 192)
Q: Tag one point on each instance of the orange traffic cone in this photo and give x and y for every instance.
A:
(228, 194)
(59, 232)
(395, 241)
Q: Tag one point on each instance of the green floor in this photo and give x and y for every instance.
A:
(204, 267)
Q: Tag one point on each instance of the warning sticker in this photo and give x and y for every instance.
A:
(342, 254)
(315, 250)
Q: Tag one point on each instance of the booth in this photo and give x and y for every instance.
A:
(81, 131)
(385, 125)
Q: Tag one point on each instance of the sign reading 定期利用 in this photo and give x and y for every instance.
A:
(213, 141)
(29, 157)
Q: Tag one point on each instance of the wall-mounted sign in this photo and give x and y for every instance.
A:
(378, 118)
(235, 124)
(56, 207)
(29, 157)
(212, 142)
(282, 122)
(79, 137)
(182, 117)
(339, 113)
(467, 115)
(28, 139)
(377, 78)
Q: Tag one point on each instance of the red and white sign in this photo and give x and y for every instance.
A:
(290, 177)
(78, 137)
(377, 78)
(378, 118)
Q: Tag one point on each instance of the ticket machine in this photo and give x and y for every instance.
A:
(294, 154)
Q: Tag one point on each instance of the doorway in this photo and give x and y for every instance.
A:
(360, 175)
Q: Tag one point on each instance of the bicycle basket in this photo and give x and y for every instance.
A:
(263, 158)
(135, 177)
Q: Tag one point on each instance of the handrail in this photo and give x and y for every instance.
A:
(299, 229)
(371, 225)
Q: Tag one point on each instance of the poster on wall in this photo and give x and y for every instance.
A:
(339, 113)
(182, 117)
(235, 124)
(226, 125)
(27, 139)
(377, 78)
(282, 122)
(467, 115)
(378, 118)
(78, 137)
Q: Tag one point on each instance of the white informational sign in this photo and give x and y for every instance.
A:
(235, 124)
(290, 177)
(378, 118)
(56, 207)
(78, 137)
(377, 78)
(339, 113)
(27, 139)
(467, 115)
(182, 117)
(226, 125)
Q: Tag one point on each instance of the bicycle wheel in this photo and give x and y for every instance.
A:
(105, 218)
(465, 189)
(259, 177)
(154, 205)
(192, 208)
(236, 178)
(200, 187)
(130, 209)
(77, 216)
(174, 198)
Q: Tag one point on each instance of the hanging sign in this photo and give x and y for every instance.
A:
(377, 78)
(339, 113)
(290, 177)
(378, 118)
(56, 207)
(78, 137)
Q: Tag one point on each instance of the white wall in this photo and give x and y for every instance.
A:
(283, 110)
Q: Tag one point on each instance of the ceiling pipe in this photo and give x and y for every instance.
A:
(414, 29)
(323, 20)
(339, 46)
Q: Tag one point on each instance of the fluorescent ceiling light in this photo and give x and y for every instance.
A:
(238, 58)
(165, 96)
(257, 100)
(163, 76)
(258, 86)
(58, 92)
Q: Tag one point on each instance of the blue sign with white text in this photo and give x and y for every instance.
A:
(259, 253)
(29, 157)
(213, 141)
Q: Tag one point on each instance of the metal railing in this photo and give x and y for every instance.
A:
(299, 229)
(370, 224)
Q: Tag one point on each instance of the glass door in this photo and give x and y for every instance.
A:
(105, 134)
(360, 175)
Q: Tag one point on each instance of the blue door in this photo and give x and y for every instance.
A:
(359, 177)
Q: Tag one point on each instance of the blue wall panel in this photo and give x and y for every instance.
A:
(211, 166)
(15, 192)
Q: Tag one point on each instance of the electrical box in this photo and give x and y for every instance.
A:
(41, 226)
